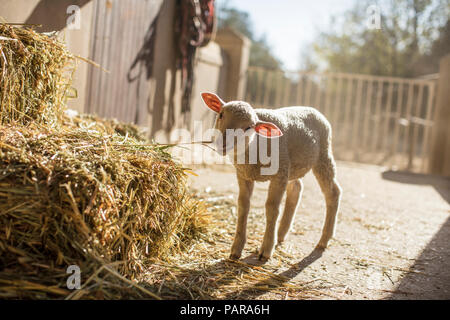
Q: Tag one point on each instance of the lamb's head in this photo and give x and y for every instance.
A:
(237, 121)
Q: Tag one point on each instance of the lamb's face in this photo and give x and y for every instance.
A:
(236, 124)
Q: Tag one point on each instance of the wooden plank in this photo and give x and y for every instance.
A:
(138, 95)
(114, 81)
(370, 77)
(316, 102)
(300, 91)
(399, 106)
(366, 114)
(355, 137)
(90, 92)
(96, 55)
(269, 77)
(308, 89)
(387, 117)
(263, 76)
(357, 76)
(376, 134)
(141, 113)
(287, 92)
(328, 86)
(135, 37)
(255, 87)
(105, 61)
(414, 128)
(248, 87)
(258, 86)
(409, 103)
(119, 85)
(278, 89)
(99, 54)
(346, 124)
(112, 110)
(251, 86)
(428, 128)
(337, 99)
(264, 88)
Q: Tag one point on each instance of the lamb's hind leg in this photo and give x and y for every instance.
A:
(293, 197)
(325, 173)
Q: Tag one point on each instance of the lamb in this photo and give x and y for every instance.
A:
(303, 137)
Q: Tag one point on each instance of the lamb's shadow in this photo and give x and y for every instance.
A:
(253, 291)
(224, 273)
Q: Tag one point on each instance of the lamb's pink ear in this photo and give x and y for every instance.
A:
(213, 101)
(268, 130)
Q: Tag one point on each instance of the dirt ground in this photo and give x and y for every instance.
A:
(392, 241)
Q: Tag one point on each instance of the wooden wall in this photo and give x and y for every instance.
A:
(122, 43)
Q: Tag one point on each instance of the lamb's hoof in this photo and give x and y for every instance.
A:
(263, 258)
(234, 256)
(321, 246)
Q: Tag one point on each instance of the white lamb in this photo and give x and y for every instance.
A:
(304, 143)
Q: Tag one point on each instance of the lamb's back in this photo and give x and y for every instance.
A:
(305, 132)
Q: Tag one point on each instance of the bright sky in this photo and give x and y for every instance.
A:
(290, 25)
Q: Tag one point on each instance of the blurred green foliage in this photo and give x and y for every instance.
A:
(413, 36)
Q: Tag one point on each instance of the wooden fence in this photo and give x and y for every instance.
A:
(381, 120)
(122, 38)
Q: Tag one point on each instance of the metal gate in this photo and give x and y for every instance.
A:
(381, 120)
(122, 43)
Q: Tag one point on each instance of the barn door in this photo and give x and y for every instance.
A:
(122, 43)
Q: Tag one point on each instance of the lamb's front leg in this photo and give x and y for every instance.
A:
(245, 192)
(276, 191)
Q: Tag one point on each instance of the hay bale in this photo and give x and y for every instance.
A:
(78, 190)
(35, 76)
(74, 197)
(74, 119)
